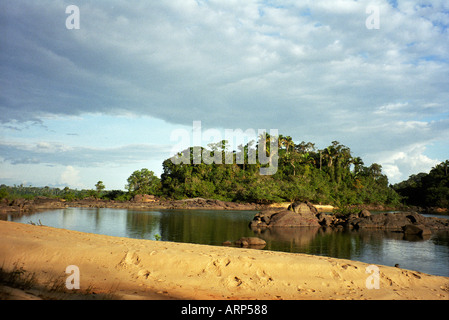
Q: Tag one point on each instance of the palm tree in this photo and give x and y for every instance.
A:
(375, 170)
(265, 140)
(358, 163)
(289, 143)
(330, 153)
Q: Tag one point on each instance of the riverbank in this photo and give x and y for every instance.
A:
(122, 268)
(21, 206)
(25, 206)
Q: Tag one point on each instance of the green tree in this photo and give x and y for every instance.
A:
(99, 186)
(304, 173)
(3, 194)
(143, 182)
(427, 189)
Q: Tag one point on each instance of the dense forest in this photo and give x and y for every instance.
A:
(329, 176)
(30, 192)
(427, 189)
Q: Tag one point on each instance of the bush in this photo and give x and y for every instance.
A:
(3, 194)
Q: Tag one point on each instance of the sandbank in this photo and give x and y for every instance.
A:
(123, 268)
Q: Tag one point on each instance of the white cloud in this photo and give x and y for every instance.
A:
(70, 177)
(164, 58)
(398, 165)
(56, 154)
(310, 69)
(391, 108)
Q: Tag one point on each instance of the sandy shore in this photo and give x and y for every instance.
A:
(319, 207)
(123, 268)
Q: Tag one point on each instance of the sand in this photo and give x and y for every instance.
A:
(122, 268)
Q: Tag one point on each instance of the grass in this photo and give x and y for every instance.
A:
(52, 289)
(36, 224)
(17, 278)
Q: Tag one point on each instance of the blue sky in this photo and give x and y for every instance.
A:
(78, 106)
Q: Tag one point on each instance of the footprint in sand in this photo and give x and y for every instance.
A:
(130, 259)
(263, 278)
(143, 274)
(233, 282)
(217, 266)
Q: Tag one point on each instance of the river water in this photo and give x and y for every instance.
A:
(213, 227)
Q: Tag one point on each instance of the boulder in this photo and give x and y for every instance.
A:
(303, 208)
(299, 214)
(408, 222)
(437, 223)
(251, 242)
(387, 221)
(415, 229)
(364, 214)
(326, 220)
(287, 218)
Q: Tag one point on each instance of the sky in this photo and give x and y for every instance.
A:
(95, 98)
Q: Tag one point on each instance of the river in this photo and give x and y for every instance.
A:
(213, 227)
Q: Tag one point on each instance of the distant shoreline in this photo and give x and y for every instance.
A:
(19, 206)
(23, 206)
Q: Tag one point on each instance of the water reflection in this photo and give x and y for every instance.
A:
(205, 226)
(143, 225)
(429, 254)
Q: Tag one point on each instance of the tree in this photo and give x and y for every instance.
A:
(304, 173)
(358, 164)
(100, 187)
(427, 189)
(286, 142)
(3, 194)
(143, 182)
(375, 170)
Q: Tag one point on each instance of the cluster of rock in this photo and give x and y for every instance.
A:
(26, 205)
(304, 214)
(407, 222)
(144, 198)
(139, 202)
(213, 204)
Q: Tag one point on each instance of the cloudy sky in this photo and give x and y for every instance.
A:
(98, 102)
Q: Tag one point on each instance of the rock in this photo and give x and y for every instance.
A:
(437, 223)
(364, 214)
(415, 217)
(251, 242)
(287, 218)
(18, 203)
(326, 220)
(227, 243)
(387, 221)
(304, 214)
(299, 214)
(303, 208)
(144, 198)
(218, 203)
(407, 222)
(262, 218)
(413, 229)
